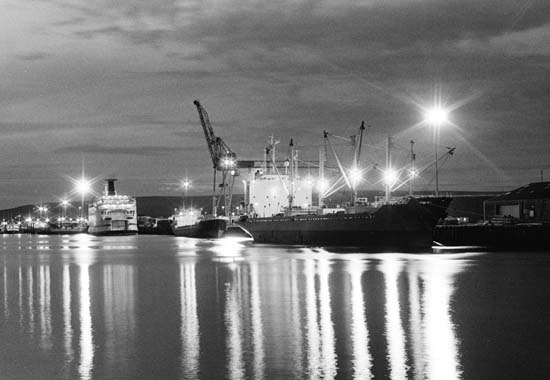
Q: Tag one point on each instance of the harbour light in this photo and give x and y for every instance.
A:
(228, 162)
(83, 186)
(390, 176)
(436, 116)
(322, 184)
(355, 175)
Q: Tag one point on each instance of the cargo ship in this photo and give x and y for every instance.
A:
(386, 224)
(190, 223)
(112, 214)
(407, 225)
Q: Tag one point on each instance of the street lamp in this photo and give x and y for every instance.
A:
(436, 116)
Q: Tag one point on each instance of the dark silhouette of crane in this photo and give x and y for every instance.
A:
(224, 160)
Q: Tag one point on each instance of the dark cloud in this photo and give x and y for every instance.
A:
(36, 56)
(126, 72)
(136, 150)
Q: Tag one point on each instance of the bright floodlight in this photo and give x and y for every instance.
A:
(322, 184)
(437, 116)
(390, 177)
(355, 175)
(83, 186)
(228, 162)
(64, 203)
(185, 184)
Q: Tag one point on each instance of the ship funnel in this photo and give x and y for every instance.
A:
(110, 187)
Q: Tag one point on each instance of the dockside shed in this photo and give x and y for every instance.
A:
(529, 203)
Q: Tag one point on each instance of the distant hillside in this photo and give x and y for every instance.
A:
(465, 204)
(154, 206)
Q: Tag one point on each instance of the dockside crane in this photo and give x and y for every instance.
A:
(224, 160)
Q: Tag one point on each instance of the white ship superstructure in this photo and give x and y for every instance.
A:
(269, 189)
(112, 214)
(268, 194)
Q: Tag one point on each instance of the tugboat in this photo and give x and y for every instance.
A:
(190, 223)
(112, 214)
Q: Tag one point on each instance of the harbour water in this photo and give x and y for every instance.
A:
(164, 307)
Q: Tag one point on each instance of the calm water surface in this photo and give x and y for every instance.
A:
(161, 307)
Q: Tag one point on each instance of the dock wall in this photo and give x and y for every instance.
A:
(496, 237)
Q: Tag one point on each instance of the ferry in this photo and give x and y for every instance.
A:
(112, 214)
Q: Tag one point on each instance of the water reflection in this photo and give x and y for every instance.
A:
(67, 314)
(119, 298)
(359, 332)
(5, 289)
(189, 321)
(234, 343)
(394, 328)
(44, 302)
(441, 350)
(30, 299)
(225, 310)
(256, 323)
(86, 343)
(319, 326)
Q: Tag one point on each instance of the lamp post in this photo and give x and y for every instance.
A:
(64, 204)
(186, 184)
(82, 187)
(436, 116)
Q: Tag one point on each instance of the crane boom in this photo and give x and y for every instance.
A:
(223, 159)
(219, 151)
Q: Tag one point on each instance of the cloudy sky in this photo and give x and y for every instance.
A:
(108, 86)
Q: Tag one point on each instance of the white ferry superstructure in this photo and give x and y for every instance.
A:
(112, 214)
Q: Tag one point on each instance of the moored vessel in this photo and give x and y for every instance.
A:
(190, 223)
(112, 214)
(405, 223)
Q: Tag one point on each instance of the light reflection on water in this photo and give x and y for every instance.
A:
(115, 307)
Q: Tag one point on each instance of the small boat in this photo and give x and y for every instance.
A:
(12, 228)
(112, 214)
(190, 223)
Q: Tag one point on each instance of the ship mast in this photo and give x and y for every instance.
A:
(321, 185)
(388, 168)
(291, 179)
(412, 173)
(355, 167)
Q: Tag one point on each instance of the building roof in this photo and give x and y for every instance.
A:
(535, 190)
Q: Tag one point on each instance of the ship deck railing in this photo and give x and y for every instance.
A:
(312, 217)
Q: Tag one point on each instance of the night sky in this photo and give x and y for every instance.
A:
(108, 87)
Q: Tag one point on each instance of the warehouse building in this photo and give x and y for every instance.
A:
(529, 203)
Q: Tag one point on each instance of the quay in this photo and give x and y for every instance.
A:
(503, 237)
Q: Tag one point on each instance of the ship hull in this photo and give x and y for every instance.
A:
(393, 227)
(108, 229)
(205, 229)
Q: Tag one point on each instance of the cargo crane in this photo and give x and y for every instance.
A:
(223, 160)
(352, 175)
